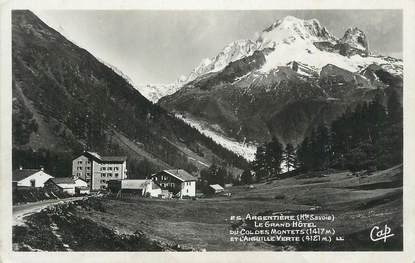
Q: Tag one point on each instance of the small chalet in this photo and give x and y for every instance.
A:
(179, 182)
(29, 177)
(142, 187)
(61, 185)
(216, 188)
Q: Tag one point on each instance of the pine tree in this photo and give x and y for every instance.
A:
(274, 156)
(376, 119)
(290, 158)
(322, 148)
(246, 177)
(305, 154)
(260, 165)
(268, 159)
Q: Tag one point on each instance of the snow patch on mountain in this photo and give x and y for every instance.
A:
(154, 92)
(303, 69)
(232, 52)
(395, 68)
(305, 52)
(245, 150)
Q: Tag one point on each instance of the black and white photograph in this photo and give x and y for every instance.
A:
(174, 130)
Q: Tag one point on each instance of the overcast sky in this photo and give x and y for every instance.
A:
(160, 46)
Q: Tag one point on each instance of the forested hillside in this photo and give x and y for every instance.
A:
(368, 137)
(66, 101)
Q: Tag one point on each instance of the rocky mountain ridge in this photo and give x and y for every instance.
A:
(299, 76)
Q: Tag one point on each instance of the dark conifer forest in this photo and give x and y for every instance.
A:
(368, 137)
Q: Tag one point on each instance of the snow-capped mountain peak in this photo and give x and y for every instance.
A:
(307, 42)
(283, 31)
(291, 29)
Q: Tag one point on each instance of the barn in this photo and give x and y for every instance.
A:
(216, 188)
(61, 185)
(29, 178)
(142, 187)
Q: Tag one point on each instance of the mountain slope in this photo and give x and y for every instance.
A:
(65, 100)
(153, 92)
(298, 76)
(232, 52)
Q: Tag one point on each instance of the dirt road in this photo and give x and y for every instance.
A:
(21, 211)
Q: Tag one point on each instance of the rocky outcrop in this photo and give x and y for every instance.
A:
(354, 42)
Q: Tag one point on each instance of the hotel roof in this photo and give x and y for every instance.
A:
(100, 158)
(181, 174)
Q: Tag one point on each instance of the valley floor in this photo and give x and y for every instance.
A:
(358, 204)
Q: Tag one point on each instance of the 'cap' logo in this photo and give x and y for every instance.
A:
(377, 233)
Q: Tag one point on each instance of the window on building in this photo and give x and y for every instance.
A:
(32, 183)
(110, 168)
(88, 162)
(79, 167)
(103, 175)
(116, 174)
(79, 162)
(88, 173)
(109, 175)
(103, 168)
(88, 168)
